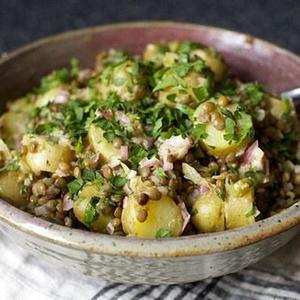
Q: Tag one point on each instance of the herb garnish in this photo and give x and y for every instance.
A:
(164, 233)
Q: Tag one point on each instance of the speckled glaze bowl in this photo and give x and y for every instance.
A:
(168, 261)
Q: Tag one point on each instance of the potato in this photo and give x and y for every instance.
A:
(162, 214)
(126, 79)
(154, 53)
(278, 107)
(182, 94)
(215, 143)
(13, 127)
(106, 150)
(11, 188)
(239, 204)
(212, 60)
(47, 155)
(14, 122)
(81, 209)
(49, 96)
(209, 213)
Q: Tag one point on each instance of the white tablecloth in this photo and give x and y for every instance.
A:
(23, 277)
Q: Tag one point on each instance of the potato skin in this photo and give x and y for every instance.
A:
(162, 214)
(47, 155)
(79, 207)
(11, 188)
(238, 205)
(209, 213)
(215, 143)
(100, 145)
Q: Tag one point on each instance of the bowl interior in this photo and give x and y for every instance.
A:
(249, 58)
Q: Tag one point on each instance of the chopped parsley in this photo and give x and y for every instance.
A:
(164, 233)
(11, 166)
(251, 212)
(75, 186)
(199, 132)
(90, 213)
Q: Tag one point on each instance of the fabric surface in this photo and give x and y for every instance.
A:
(23, 277)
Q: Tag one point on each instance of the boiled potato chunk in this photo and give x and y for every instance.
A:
(106, 150)
(209, 213)
(48, 97)
(13, 122)
(212, 60)
(126, 79)
(80, 208)
(183, 94)
(47, 155)
(216, 145)
(11, 188)
(278, 107)
(239, 204)
(162, 214)
(13, 127)
(216, 142)
(154, 53)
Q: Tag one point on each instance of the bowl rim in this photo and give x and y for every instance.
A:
(200, 244)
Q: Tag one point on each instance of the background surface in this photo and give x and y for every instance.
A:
(22, 21)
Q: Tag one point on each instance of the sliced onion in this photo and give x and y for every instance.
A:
(149, 162)
(67, 203)
(62, 97)
(254, 157)
(124, 152)
(204, 189)
(184, 213)
(192, 174)
(167, 166)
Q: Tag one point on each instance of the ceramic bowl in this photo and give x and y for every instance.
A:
(168, 261)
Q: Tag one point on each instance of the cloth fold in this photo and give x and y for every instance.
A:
(23, 277)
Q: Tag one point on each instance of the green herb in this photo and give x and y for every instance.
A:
(79, 146)
(252, 175)
(254, 92)
(186, 47)
(160, 173)
(199, 132)
(74, 67)
(288, 110)
(90, 175)
(118, 181)
(90, 213)
(46, 128)
(238, 125)
(12, 165)
(251, 212)
(74, 118)
(233, 170)
(220, 193)
(157, 127)
(75, 186)
(194, 212)
(53, 80)
(119, 81)
(137, 153)
(201, 93)
(164, 233)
